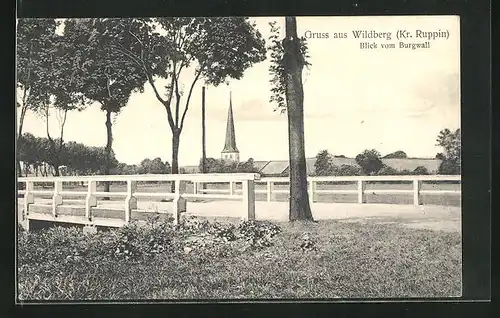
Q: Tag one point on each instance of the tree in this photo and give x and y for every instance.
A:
(288, 59)
(157, 166)
(369, 161)
(215, 48)
(145, 166)
(28, 150)
(397, 154)
(33, 51)
(452, 147)
(323, 165)
(104, 75)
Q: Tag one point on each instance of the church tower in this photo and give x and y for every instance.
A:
(230, 151)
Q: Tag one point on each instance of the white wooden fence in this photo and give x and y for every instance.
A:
(361, 182)
(246, 194)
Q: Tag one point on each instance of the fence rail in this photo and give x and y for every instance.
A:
(246, 193)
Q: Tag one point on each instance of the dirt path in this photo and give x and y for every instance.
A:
(443, 218)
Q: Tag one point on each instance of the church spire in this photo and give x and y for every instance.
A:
(230, 142)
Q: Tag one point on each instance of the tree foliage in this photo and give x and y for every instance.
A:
(370, 161)
(222, 166)
(396, 155)
(104, 75)
(155, 166)
(34, 53)
(277, 66)
(216, 48)
(452, 147)
(451, 143)
(323, 166)
(36, 152)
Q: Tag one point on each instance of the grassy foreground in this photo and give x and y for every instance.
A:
(329, 259)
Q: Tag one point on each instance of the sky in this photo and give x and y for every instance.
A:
(354, 99)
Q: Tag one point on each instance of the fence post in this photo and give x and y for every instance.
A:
(361, 191)
(177, 195)
(231, 188)
(56, 197)
(195, 187)
(270, 188)
(249, 199)
(130, 200)
(417, 200)
(90, 199)
(311, 190)
(29, 198)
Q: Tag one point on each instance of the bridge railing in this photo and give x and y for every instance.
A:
(130, 196)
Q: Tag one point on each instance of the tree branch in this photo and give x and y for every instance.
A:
(62, 130)
(189, 96)
(177, 94)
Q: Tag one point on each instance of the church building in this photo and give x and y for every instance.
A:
(230, 151)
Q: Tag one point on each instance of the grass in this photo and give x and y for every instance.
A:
(199, 260)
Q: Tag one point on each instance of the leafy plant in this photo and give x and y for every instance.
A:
(258, 233)
(370, 161)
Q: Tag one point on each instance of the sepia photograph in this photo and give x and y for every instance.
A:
(248, 158)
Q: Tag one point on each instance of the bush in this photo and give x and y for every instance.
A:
(258, 233)
(421, 170)
(57, 248)
(449, 167)
(348, 170)
(387, 171)
(370, 161)
(397, 154)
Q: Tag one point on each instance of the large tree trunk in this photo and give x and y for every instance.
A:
(299, 199)
(109, 145)
(203, 137)
(19, 134)
(55, 167)
(19, 170)
(175, 154)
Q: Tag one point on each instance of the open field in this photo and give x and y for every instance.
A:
(350, 258)
(374, 197)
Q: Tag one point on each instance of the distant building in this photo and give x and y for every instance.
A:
(281, 167)
(230, 151)
(278, 168)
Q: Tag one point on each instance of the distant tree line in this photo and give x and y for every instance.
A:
(369, 162)
(38, 153)
(40, 159)
(213, 165)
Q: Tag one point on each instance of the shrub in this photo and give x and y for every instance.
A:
(387, 171)
(449, 167)
(397, 154)
(369, 161)
(421, 170)
(348, 170)
(258, 233)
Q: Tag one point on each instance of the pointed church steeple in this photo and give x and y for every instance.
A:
(230, 151)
